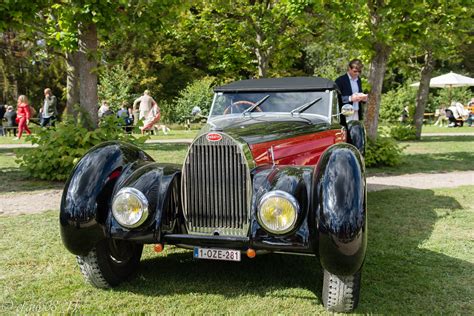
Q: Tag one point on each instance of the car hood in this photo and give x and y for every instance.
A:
(257, 129)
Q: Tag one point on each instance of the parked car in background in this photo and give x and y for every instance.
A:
(273, 170)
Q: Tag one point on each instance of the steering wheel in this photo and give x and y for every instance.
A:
(240, 106)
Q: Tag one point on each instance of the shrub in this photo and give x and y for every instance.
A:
(382, 152)
(198, 93)
(61, 147)
(403, 132)
(394, 101)
(115, 86)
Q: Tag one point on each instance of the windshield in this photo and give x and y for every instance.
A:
(226, 103)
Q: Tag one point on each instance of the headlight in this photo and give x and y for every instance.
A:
(277, 212)
(130, 207)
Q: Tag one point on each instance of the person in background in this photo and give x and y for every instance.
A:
(152, 120)
(49, 110)
(350, 86)
(470, 109)
(146, 105)
(3, 109)
(441, 115)
(104, 110)
(456, 114)
(23, 115)
(10, 117)
(124, 115)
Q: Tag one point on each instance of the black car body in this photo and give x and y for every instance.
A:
(273, 170)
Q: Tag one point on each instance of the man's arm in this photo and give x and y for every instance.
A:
(346, 98)
(136, 101)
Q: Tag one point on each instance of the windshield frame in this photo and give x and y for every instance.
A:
(327, 99)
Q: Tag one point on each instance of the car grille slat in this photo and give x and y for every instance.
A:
(216, 187)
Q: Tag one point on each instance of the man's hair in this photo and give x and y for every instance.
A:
(356, 63)
(147, 92)
(48, 91)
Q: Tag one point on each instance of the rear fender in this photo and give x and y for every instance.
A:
(340, 209)
(86, 196)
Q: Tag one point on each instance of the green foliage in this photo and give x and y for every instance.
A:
(198, 93)
(394, 101)
(329, 59)
(383, 152)
(61, 147)
(441, 97)
(403, 132)
(115, 86)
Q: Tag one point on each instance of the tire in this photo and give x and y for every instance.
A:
(110, 262)
(341, 293)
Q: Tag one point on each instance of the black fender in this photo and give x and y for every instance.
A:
(86, 196)
(160, 184)
(357, 135)
(293, 180)
(339, 203)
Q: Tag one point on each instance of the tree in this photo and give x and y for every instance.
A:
(265, 34)
(77, 26)
(441, 30)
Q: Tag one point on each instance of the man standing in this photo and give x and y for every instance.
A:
(350, 86)
(146, 104)
(49, 110)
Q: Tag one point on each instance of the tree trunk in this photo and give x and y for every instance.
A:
(423, 92)
(378, 66)
(87, 73)
(72, 61)
(263, 56)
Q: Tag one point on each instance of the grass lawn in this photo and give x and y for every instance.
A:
(434, 154)
(446, 130)
(420, 255)
(420, 261)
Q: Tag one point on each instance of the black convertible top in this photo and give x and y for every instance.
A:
(279, 84)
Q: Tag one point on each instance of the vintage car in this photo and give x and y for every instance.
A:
(273, 170)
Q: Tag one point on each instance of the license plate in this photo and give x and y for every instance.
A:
(216, 254)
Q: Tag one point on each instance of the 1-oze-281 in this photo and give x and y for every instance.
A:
(217, 254)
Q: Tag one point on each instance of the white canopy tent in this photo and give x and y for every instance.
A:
(449, 80)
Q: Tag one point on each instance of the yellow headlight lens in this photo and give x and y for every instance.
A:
(130, 207)
(277, 212)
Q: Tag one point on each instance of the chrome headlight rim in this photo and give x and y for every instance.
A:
(280, 194)
(140, 197)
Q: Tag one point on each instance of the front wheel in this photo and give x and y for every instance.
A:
(341, 293)
(110, 262)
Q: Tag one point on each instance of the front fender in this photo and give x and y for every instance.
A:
(86, 195)
(293, 180)
(159, 183)
(340, 207)
(357, 135)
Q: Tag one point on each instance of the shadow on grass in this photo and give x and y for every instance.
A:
(399, 275)
(13, 179)
(164, 146)
(429, 163)
(430, 139)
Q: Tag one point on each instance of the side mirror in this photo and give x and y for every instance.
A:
(347, 110)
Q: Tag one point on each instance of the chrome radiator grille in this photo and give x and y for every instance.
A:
(216, 187)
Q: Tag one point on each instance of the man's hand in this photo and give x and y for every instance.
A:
(359, 97)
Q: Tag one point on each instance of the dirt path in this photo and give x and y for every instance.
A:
(40, 201)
